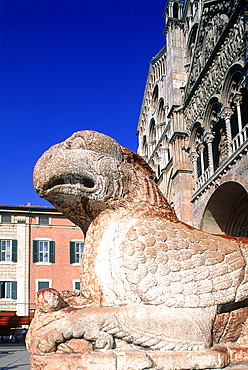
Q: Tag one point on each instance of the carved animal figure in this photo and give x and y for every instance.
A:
(155, 276)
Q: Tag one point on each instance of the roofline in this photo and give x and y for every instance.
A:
(28, 209)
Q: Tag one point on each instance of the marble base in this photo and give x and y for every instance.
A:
(214, 358)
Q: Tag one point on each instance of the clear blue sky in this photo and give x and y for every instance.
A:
(70, 65)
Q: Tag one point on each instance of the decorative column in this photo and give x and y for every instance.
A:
(226, 115)
(201, 148)
(237, 101)
(208, 138)
(170, 10)
(194, 156)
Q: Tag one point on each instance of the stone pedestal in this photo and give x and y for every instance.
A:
(215, 358)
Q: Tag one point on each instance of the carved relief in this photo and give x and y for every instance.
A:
(212, 82)
(214, 20)
(223, 147)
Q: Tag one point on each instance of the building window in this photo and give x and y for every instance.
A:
(76, 284)
(8, 289)
(43, 283)
(44, 220)
(175, 10)
(76, 251)
(8, 250)
(154, 99)
(21, 220)
(44, 251)
(6, 218)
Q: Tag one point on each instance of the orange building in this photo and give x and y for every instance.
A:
(39, 248)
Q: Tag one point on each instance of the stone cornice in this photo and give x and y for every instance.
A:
(160, 54)
(180, 171)
(177, 134)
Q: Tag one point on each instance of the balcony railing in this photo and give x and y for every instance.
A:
(203, 178)
(236, 143)
(239, 139)
(241, 145)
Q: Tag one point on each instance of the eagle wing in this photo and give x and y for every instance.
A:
(172, 264)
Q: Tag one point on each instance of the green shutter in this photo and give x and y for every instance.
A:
(43, 284)
(52, 251)
(14, 290)
(35, 251)
(72, 252)
(77, 285)
(14, 250)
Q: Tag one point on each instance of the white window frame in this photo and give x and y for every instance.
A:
(43, 251)
(43, 240)
(9, 252)
(81, 241)
(13, 253)
(74, 281)
(78, 254)
(8, 281)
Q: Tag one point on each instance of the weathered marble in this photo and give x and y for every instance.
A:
(133, 360)
(150, 283)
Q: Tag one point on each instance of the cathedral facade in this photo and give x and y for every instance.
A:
(193, 124)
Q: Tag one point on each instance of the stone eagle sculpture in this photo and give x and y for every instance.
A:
(148, 279)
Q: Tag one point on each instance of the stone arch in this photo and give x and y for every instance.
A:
(191, 42)
(211, 113)
(152, 137)
(145, 147)
(161, 110)
(196, 133)
(215, 125)
(154, 98)
(198, 148)
(152, 164)
(233, 77)
(235, 96)
(227, 210)
(152, 131)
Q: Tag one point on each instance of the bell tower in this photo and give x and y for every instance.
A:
(173, 10)
(175, 45)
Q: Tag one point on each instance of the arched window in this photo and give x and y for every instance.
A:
(144, 147)
(191, 42)
(202, 160)
(244, 107)
(152, 131)
(200, 150)
(236, 103)
(161, 112)
(219, 144)
(235, 95)
(154, 98)
(218, 128)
